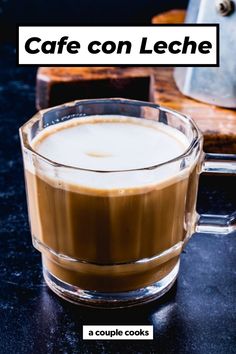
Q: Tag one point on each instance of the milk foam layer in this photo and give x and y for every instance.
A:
(111, 143)
(100, 143)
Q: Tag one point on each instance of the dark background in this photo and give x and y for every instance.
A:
(79, 12)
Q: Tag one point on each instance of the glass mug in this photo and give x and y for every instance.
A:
(90, 257)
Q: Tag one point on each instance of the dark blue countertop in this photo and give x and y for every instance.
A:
(197, 316)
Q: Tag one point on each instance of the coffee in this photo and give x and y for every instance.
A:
(125, 227)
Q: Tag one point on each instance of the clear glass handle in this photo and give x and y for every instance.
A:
(220, 224)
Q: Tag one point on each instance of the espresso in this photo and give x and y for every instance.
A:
(103, 222)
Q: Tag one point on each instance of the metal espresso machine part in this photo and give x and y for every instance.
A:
(216, 85)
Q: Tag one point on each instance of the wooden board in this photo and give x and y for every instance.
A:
(155, 84)
(217, 124)
(171, 16)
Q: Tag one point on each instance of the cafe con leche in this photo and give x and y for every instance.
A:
(35, 45)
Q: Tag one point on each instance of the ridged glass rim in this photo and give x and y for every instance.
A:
(24, 130)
